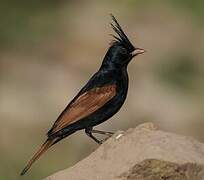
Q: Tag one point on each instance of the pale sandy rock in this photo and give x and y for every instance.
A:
(144, 149)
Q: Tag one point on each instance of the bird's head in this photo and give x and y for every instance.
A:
(121, 50)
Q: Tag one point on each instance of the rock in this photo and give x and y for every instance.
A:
(142, 153)
(152, 169)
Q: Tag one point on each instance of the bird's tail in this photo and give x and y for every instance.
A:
(48, 143)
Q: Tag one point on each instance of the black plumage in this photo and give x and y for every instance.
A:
(99, 99)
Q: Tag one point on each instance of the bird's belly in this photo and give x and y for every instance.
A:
(105, 112)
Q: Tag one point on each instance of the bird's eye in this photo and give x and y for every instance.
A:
(123, 51)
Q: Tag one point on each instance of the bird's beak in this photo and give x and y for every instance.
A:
(138, 51)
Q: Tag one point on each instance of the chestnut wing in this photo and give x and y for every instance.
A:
(86, 104)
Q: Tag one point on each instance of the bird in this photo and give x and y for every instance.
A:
(101, 97)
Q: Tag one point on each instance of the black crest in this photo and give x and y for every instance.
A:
(121, 39)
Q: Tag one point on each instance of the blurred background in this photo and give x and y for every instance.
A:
(49, 49)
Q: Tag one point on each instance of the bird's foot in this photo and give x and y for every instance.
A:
(107, 133)
(91, 131)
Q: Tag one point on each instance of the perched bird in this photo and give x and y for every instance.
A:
(99, 99)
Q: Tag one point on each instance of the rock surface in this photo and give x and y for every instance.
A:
(142, 153)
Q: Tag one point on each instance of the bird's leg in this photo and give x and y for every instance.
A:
(88, 131)
(109, 134)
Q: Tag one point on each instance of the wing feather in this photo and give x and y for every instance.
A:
(84, 105)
